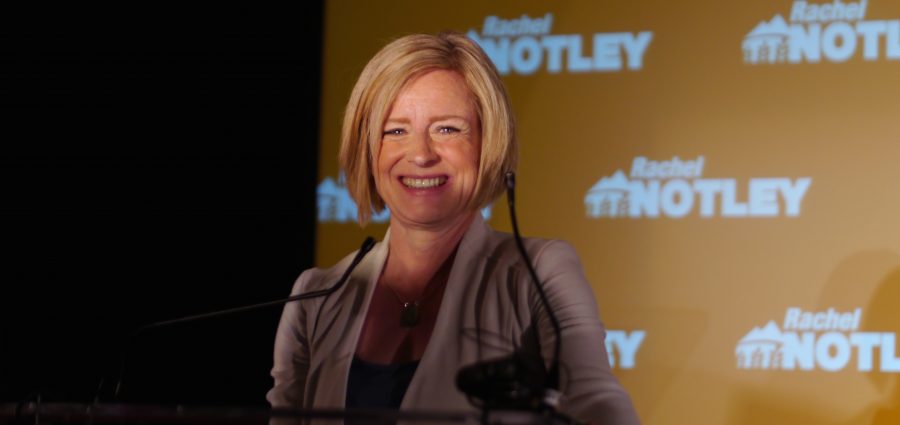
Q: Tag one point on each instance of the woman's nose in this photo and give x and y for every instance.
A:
(421, 152)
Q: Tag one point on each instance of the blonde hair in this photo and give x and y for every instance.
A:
(386, 74)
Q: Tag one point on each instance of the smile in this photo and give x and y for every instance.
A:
(417, 183)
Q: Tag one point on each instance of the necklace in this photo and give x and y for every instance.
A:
(409, 313)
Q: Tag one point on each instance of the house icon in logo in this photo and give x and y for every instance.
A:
(768, 42)
(609, 197)
(761, 348)
(335, 204)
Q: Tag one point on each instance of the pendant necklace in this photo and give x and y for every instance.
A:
(409, 313)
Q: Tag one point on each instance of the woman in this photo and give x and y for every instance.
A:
(429, 133)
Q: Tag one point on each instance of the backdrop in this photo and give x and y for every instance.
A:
(727, 172)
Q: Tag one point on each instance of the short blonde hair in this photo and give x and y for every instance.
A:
(386, 74)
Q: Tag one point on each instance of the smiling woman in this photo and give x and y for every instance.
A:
(428, 132)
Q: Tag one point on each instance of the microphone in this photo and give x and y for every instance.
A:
(512, 382)
(364, 249)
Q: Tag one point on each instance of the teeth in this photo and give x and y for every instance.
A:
(424, 183)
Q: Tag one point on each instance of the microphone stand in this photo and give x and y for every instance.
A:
(364, 249)
(510, 382)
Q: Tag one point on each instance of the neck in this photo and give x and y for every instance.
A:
(416, 254)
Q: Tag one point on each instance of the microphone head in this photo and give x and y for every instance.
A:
(512, 382)
(510, 180)
(367, 244)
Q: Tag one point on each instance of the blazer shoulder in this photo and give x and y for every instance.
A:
(317, 278)
(542, 252)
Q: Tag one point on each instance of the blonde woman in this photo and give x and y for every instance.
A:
(429, 134)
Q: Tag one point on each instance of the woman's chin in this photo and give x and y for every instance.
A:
(430, 217)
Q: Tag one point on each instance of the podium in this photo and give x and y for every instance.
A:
(35, 413)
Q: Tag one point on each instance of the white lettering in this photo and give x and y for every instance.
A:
(791, 318)
(871, 30)
(763, 197)
(892, 42)
(828, 320)
(577, 62)
(805, 43)
(797, 11)
(554, 46)
(525, 44)
(607, 56)
(673, 188)
(832, 351)
(730, 206)
(644, 198)
(677, 198)
(636, 47)
(798, 351)
(835, 31)
(793, 194)
(801, 11)
(524, 25)
(497, 50)
(624, 346)
(707, 189)
(838, 42)
(865, 343)
(889, 360)
(675, 167)
(525, 55)
(828, 340)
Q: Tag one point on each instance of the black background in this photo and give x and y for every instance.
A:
(155, 163)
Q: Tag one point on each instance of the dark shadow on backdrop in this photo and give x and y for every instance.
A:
(156, 163)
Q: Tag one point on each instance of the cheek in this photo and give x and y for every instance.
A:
(468, 160)
(387, 157)
(383, 165)
(475, 155)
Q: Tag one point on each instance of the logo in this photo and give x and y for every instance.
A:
(622, 347)
(674, 188)
(827, 340)
(335, 205)
(525, 45)
(833, 31)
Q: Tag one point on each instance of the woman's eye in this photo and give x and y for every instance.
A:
(394, 132)
(448, 130)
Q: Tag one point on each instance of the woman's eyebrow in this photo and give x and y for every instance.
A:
(448, 117)
(397, 120)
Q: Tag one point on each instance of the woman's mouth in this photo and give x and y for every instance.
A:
(423, 183)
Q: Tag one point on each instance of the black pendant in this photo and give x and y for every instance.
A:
(409, 316)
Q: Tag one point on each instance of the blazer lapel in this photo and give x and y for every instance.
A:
(433, 385)
(340, 323)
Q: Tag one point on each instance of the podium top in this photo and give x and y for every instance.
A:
(111, 413)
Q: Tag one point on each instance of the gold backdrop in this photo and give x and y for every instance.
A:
(728, 172)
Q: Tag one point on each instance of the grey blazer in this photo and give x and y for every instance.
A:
(487, 312)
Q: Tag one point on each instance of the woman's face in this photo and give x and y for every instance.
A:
(430, 147)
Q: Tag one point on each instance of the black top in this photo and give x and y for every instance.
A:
(378, 386)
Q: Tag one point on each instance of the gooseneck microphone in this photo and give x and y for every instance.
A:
(553, 373)
(514, 382)
(367, 246)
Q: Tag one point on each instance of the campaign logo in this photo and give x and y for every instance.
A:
(525, 45)
(832, 31)
(675, 188)
(826, 340)
(622, 347)
(335, 205)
